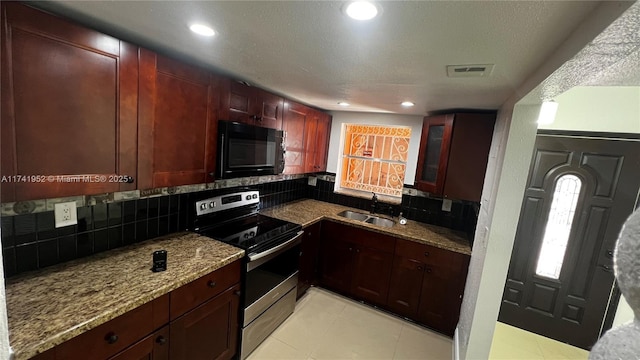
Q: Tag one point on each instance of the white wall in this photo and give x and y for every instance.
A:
(598, 108)
(344, 117)
(503, 191)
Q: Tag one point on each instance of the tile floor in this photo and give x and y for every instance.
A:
(328, 326)
(516, 344)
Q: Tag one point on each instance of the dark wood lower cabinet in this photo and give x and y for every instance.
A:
(309, 259)
(209, 331)
(352, 268)
(414, 280)
(405, 287)
(371, 275)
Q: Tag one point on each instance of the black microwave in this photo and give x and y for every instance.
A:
(248, 150)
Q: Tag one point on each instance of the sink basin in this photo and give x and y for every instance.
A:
(354, 215)
(370, 219)
(380, 221)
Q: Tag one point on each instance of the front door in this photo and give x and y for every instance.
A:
(579, 193)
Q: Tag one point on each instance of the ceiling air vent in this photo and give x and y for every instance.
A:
(476, 70)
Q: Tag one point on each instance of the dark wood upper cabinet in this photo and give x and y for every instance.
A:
(454, 149)
(316, 135)
(178, 122)
(69, 106)
(251, 105)
(293, 124)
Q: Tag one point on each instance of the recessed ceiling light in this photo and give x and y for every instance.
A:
(361, 10)
(202, 30)
(407, 103)
(343, 103)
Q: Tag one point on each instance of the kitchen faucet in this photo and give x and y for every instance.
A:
(374, 203)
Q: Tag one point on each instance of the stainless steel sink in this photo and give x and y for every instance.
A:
(380, 221)
(370, 219)
(354, 215)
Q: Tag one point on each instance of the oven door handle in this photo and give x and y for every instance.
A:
(255, 259)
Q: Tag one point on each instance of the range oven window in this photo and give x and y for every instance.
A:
(270, 274)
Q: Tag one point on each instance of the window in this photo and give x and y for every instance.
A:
(558, 228)
(374, 158)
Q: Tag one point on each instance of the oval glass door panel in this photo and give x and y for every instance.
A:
(558, 227)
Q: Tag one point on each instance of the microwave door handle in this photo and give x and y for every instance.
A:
(222, 163)
(256, 260)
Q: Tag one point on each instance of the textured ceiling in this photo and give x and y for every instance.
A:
(311, 52)
(611, 59)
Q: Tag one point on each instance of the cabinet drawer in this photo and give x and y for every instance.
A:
(198, 291)
(112, 337)
(423, 253)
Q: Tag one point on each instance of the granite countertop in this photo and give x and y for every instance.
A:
(307, 212)
(50, 306)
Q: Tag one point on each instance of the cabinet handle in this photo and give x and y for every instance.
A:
(211, 284)
(426, 253)
(161, 340)
(609, 253)
(419, 268)
(237, 293)
(357, 250)
(212, 174)
(350, 249)
(111, 338)
(428, 271)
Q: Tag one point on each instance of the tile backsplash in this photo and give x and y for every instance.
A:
(31, 241)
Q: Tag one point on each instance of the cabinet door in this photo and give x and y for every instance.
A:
(152, 347)
(310, 141)
(209, 331)
(309, 258)
(269, 110)
(442, 290)
(434, 153)
(405, 286)
(468, 156)
(337, 264)
(323, 132)
(251, 105)
(178, 110)
(69, 106)
(293, 124)
(371, 275)
(238, 102)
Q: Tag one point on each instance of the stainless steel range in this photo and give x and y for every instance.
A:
(272, 249)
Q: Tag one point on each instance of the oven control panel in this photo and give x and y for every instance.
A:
(226, 202)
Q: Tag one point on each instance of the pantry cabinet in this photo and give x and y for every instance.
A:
(251, 105)
(454, 150)
(69, 107)
(177, 122)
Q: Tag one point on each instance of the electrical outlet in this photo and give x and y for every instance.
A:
(313, 181)
(65, 214)
(446, 205)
